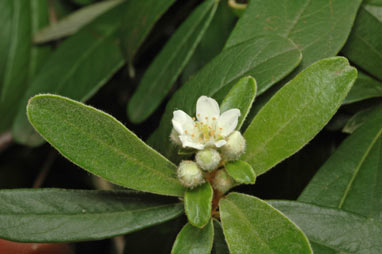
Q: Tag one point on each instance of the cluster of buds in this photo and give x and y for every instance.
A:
(214, 139)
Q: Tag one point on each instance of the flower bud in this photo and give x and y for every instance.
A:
(235, 146)
(222, 181)
(208, 159)
(174, 137)
(189, 174)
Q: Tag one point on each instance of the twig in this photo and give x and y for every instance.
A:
(52, 13)
(5, 140)
(119, 243)
(45, 170)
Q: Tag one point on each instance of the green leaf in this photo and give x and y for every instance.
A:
(364, 46)
(297, 112)
(73, 22)
(197, 205)
(252, 226)
(138, 19)
(241, 96)
(319, 28)
(364, 88)
(61, 215)
(268, 59)
(100, 144)
(167, 66)
(350, 179)
(193, 240)
(93, 50)
(358, 119)
(333, 230)
(220, 245)
(241, 172)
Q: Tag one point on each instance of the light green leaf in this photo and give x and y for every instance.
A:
(252, 226)
(220, 245)
(100, 144)
(297, 112)
(167, 66)
(334, 231)
(364, 87)
(358, 119)
(66, 72)
(364, 46)
(61, 215)
(193, 240)
(197, 205)
(351, 178)
(241, 172)
(73, 22)
(319, 28)
(241, 96)
(268, 59)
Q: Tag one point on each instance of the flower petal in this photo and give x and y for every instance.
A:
(181, 121)
(188, 142)
(207, 108)
(228, 121)
(220, 143)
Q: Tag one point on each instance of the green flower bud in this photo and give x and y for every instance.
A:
(222, 181)
(235, 146)
(174, 137)
(189, 174)
(208, 159)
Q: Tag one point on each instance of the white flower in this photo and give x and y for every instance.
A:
(209, 128)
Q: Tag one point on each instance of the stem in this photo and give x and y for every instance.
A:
(45, 170)
(5, 140)
(119, 243)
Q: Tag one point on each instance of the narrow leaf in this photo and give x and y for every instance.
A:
(94, 50)
(338, 231)
(74, 22)
(364, 88)
(358, 119)
(252, 226)
(241, 96)
(100, 144)
(241, 172)
(297, 112)
(167, 66)
(61, 215)
(319, 28)
(268, 59)
(197, 205)
(351, 178)
(193, 240)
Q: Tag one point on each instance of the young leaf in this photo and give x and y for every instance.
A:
(297, 112)
(252, 226)
(74, 22)
(220, 245)
(93, 50)
(193, 240)
(241, 172)
(351, 178)
(364, 88)
(319, 28)
(170, 62)
(61, 215)
(241, 96)
(358, 119)
(364, 46)
(100, 144)
(197, 205)
(337, 231)
(268, 59)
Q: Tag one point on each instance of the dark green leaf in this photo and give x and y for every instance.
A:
(334, 231)
(241, 172)
(167, 66)
(252, 226)
(319, 28)
(73, 22)
(193, 240)
(197, 205)
(220, 245)
(101, 145)
(297, 112)
(268, 59)
(364, 87)
(77, 69)
(351, 178)
(59, 215)
(241, 96)
(360, 118)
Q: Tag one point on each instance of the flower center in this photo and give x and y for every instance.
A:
(206, 131)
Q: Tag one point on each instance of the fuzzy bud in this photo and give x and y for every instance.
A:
(208, 159)
(222, 181)
(189, 174)
(235, 146)
(174, 137)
